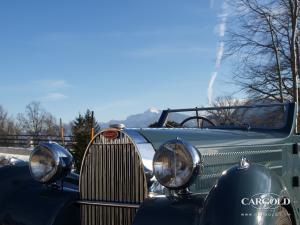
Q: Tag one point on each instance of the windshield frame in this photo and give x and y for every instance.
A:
(289, 119)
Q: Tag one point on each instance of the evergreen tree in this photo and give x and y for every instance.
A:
(169, 123)
(81, 130)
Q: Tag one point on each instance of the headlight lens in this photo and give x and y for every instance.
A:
(43, 164)
(176, 164)
(49, 162)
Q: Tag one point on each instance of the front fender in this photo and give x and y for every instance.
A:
(24, 201)
(224, 205)
(175, 210)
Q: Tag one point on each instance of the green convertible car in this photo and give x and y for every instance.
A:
(199, 166)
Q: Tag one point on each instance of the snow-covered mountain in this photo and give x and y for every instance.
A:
(137, 120)
(143, 119)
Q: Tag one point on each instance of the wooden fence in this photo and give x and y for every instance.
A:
(26, 141)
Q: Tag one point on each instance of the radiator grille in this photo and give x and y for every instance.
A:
(112, 182)
(216, 163)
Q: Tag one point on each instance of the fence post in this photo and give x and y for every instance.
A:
(62, 132)
(92, 126)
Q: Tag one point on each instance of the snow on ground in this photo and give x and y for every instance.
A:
(21, 157)
(15, 152)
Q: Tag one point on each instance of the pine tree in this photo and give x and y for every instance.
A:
(81, 130)
(169, 123)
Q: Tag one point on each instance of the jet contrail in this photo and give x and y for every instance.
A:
(210, 86)
(219, 55)
(220, 51)
(212, 3)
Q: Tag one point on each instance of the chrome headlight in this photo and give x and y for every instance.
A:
(49, 162)
(176, 164)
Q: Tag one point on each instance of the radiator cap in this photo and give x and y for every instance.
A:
(118, 126)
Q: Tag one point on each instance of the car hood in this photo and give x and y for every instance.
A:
(208, 138)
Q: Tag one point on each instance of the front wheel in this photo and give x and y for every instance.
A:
(283, 217)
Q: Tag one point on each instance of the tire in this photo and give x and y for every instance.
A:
(283, 217)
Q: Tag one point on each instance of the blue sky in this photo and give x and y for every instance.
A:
(114, 57)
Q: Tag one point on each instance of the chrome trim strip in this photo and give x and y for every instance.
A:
(211, 176)
(145, 149)
(109, 204)
(275, 167)
(221, 154)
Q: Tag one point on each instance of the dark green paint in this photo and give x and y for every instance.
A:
(27, 202)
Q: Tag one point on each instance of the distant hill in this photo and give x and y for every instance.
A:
(143, 119)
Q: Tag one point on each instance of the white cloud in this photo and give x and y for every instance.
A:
(53, 84)
(46, 85)
(51, 89)
(55, 96)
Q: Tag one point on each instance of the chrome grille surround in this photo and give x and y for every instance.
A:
(112, 181)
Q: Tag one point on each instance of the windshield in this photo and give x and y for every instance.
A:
(244, 117)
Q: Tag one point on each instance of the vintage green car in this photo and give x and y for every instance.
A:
(217, 166)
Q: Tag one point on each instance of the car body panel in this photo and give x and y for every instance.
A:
(208, 138)
(221, 206)
(27, 202)
(170, 210)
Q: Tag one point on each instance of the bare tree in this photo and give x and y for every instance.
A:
(7, 124)
(51, 126)
(263, 117)
(225, 116)
(263, 36)
(36, 121)
(3, 120)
